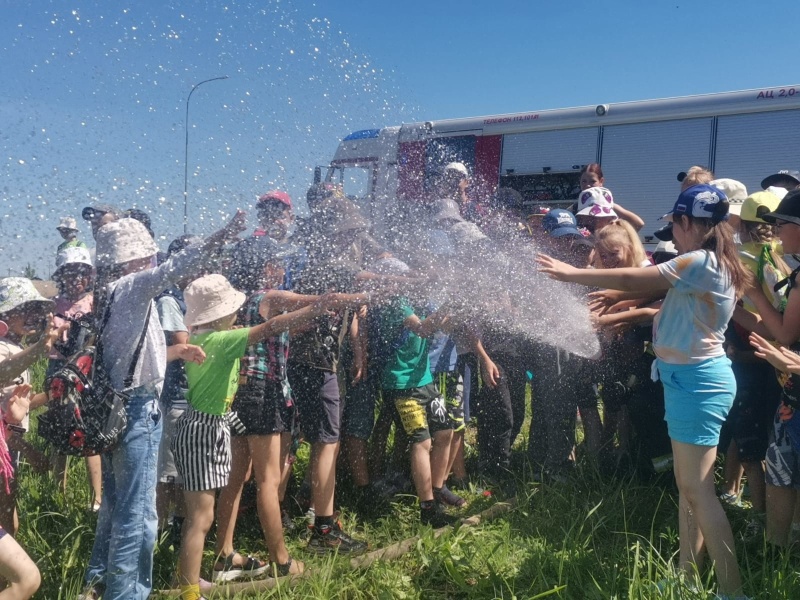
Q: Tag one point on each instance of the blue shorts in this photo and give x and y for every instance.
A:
(697, 399)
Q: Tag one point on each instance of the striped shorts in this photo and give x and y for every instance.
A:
(202, 448)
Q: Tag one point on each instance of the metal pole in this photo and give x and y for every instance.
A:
(186, 156)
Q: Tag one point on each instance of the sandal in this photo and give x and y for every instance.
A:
(284, 570)
(228, 571)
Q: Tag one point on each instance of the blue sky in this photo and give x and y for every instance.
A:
(92, 106)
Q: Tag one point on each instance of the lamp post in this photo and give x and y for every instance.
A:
(186, 156)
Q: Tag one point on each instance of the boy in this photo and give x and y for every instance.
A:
(408, 384)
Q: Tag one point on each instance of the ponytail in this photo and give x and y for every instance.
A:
(719, 240)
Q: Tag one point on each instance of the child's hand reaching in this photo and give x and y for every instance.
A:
(18, 404)
(779, 357)
(554, 268)
(191, 353)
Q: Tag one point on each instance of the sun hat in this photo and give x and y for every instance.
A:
(735, 191)
(458, 167)
(276, 195)
(757, 204)
(780, 176)
(778, 191)
(67, 223)
(596, 202)
(787, 210)
(210, 298)
(73, 256)
(142, 217)
(447, 210)
(466, 233)
(16, 291)
(122, 241)
(344, 216)
(92, 212)
(699, 201)
(559, 222)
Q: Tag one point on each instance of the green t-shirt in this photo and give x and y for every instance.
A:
(408, 365)
(213, 384)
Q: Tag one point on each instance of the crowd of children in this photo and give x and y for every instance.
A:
(231, 350)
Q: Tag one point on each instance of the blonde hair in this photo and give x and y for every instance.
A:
(616, 234)
(695, 176)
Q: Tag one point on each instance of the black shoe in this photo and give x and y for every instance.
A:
(332, 539)
(435, 516)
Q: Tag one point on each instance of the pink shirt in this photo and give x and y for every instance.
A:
(67, 307)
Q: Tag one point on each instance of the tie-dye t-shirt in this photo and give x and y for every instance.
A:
(690, 327)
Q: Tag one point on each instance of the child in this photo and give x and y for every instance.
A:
(23, 318)
(702, 286)
(264, 406)
(121, 566)
(16, 567)
(74, 277)
(202, 440)
(408, 385)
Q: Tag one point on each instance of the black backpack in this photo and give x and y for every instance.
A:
(86, 415)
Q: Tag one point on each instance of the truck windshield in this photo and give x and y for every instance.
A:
(355, 180)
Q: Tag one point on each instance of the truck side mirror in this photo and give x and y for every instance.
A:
(317, 174)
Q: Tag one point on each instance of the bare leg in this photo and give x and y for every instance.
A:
(456, 465)
(733, 471)
(592, 430)
(757, 485)
(440, 457)
(780, 510)
(60, 464)
(421, 469)
(323, 476)
(17, 568)
(231, 494)
(356, 452)
(694, 473)
(199, 516)
(95, 473)
(269, 452)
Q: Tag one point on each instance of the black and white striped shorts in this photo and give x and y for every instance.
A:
(202, 448)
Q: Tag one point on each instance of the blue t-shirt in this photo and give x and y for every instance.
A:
(690, 327)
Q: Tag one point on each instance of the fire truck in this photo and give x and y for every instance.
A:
(641, 146)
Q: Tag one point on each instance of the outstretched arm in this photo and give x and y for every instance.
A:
(629, 279)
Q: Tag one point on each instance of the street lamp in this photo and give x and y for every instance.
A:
(186, 157)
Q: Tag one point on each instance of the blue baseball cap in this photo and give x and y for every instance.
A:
(559, 222)
(699, 201)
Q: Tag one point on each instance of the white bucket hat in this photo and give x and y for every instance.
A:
(122, 241)
(466, 233)
(210, 298)
(596, 202)
(73, 256)
(458, 167)
(16, 291)
(736, 192)
(67, 223)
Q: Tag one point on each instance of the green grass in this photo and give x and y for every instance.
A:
(591, 537)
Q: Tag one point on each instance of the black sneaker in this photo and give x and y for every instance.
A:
(332, 539)
(435, 516)
(443, 495)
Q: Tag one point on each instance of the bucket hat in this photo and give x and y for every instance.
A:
(122, 241)
(210, 298)
(16, 291)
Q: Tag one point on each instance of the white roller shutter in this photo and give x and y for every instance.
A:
(641, 162)
(560, 150)
(750, 147)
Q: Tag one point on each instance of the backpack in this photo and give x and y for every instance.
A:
(86, 415)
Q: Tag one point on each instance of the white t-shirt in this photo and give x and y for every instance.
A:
(690, 327)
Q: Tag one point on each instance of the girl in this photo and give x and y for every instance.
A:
(702, 287)
(202, 441)
(74, 276)
(24, 319)
(16, 567)
(265, 408)
(781, 324)
(592, 176)
(617, 246)
(121, 565)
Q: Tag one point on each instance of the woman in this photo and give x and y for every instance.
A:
(702, 285)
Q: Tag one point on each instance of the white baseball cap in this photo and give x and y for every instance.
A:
(596, 202)
(457, 166)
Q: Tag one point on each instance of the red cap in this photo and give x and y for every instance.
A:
(278, 195)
